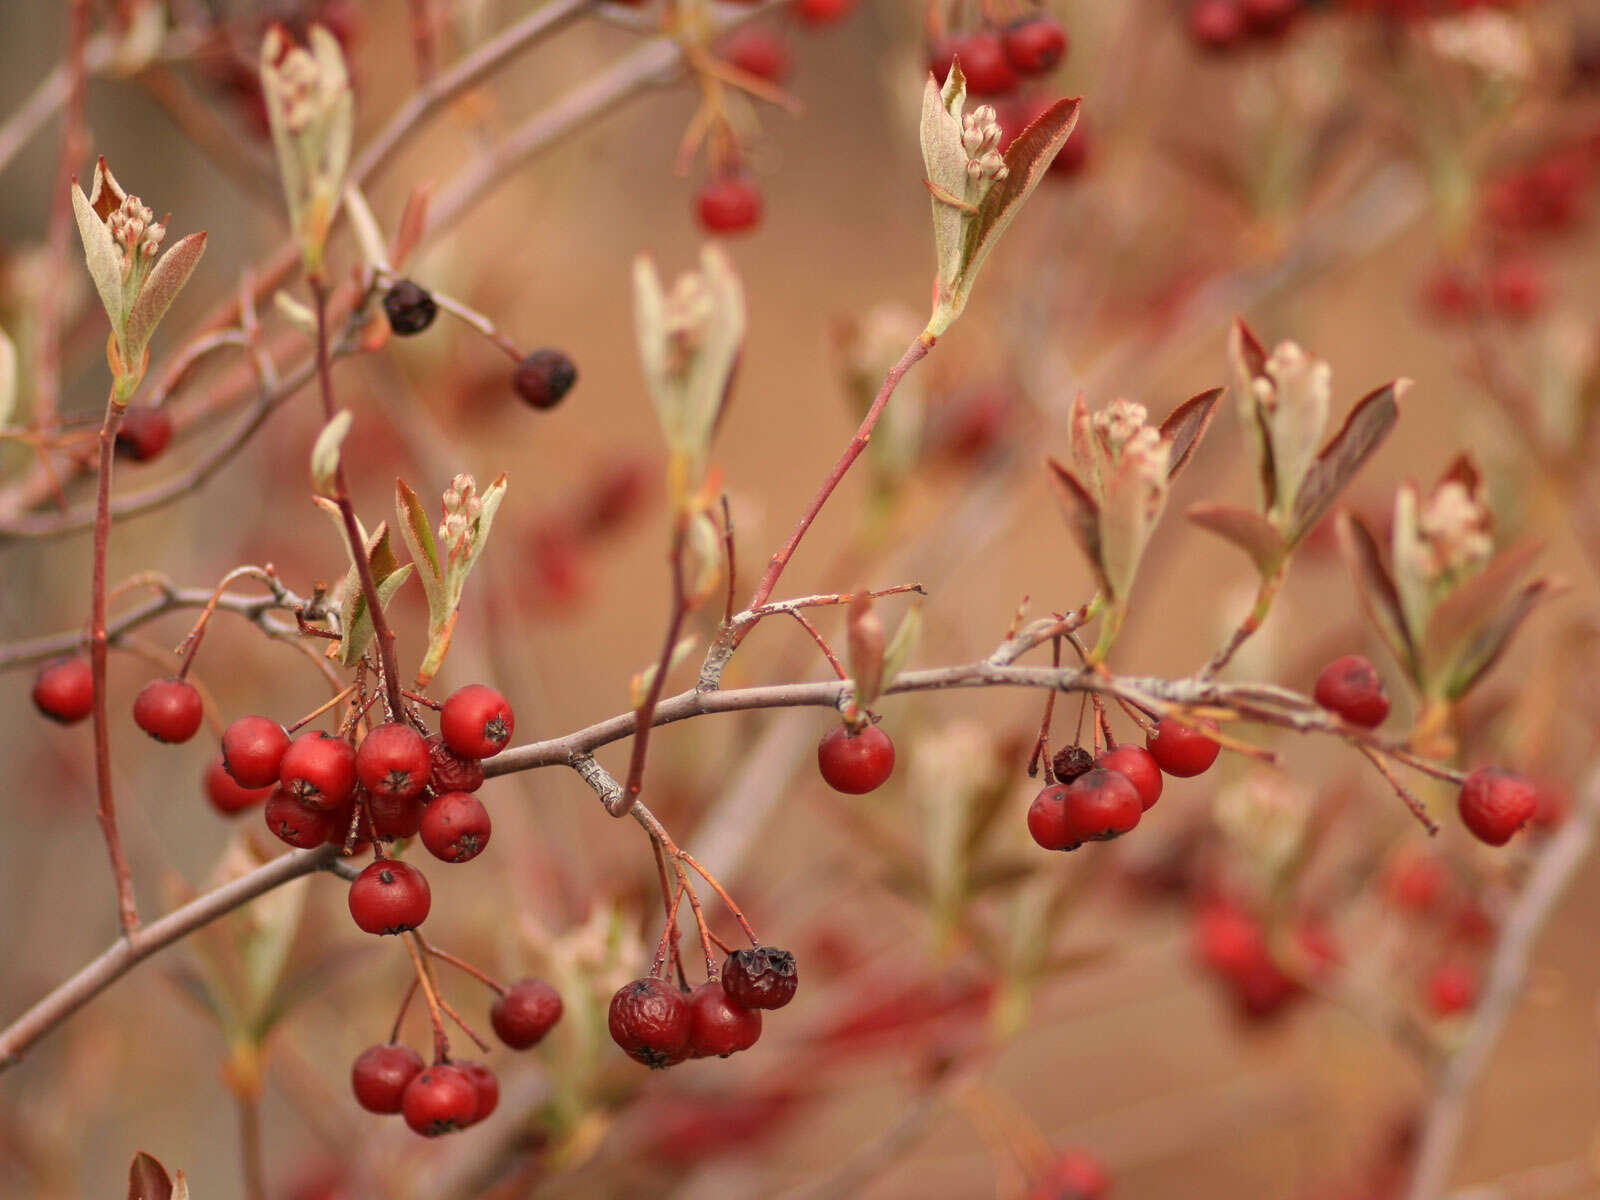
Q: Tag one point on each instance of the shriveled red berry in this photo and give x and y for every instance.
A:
(253, 750)
(1069, 762)
(1495, 804)
(319, 769)
(477, 721)
(984, 63)
(855, 763)
(380, 1074)
(393, 761)
(169, 710)
(1139, 765)
(544, 377)
(1101, 805)
(1216, 25)
(455, 827)
(144, 433)
(1182, 750)
(1035, 44)
(452, 772)
(760, 52)
(410, 308)
(1350, 687)
(823, 12)
(529, 1009)
(226, 794)
(63, 690)
(763, 977)
(440, 1100)
(485, 1084)
(294, 823)
(728, 203)
(395, 817)
(1449, 989)
(1047, 820)
(650, 1020)
(719, 1027)
(390, 897)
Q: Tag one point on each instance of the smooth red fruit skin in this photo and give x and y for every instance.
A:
(1047, 820)
(983, 61)
(452, 772)
(823, 12)
(395, 817)
(380, 1074)
(63, 690)
(225, 793)
(393, 761)
(719, 1026)
(855, 763)
(485, 1084)
(728, 204)
(1495, 804)
(1517, 288)
(759, 52)
(476, 721)
(763, 977)
(455, 827)
(144, 434)
(1350, 687)
(1414, 881)
(650, 1020)
(1035, 45)
(1101, 805)
(1139, 766)
(440, 1100)
(1228, 940)
(1450, 989)
(1074, 1175)
(294, 823)
(253, 750)
(320, 769)
(529, 1009)
(1268, 19)
(169, 710)
(1181, 750)
(390, 897)
(1216, 25)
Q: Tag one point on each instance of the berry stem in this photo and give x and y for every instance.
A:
(316, 712)
(1268, 592)
(1418, 810)
(722, 893)
(1041, 745)
(441, 1041)
(462, 965)
(255, 1179)
(732, 561)
(190, 645)
(646, 710)
(418, 698)
(399, 1017)
(822, 644)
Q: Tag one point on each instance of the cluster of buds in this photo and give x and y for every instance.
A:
(1440, 542)
(1284, 399)
(462, 508)
(1495, 45)
(980, 138)
(310, 108)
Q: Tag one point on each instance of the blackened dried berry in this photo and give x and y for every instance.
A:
(410, 309)
(1070, 762)
(544, 377)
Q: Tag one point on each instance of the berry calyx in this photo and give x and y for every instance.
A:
(299, 826)
(719, 1026)
(650, 1020)
(455, 827)
(1047, 820)
(253, 750)
(476, 721)
(319, 770)
(1180, 750)
(855, 763)
(764, 977)
(728, 203)
(1035, 44)
(485, 1085)
(144, 433)
(390, 897)
(63, 690)
(410, 308)
(440, 1100)
(1139, 765)
(544, 377)
(393, 761)
(169, 710)
(452, 772)
(225, 792)
(527, 1011)
(1101, 805)
(1349, 686)
(1495, 804)
(380, 1075)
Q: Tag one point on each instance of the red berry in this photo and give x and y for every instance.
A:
(855, 763)
(719, 1026)
(730, 203)
(1216, 25)
(253, 750)
(390, 897)
(1047, 820)
(452, 772)
(1350, 687)
(1554, 804)
(1101, 805)
(395, 817)
(1074, 1175)
(294, 823)
(984, 63)
(529, 1009)
(63, 690)
(169, 710)
(759, 52)
(764, 977)
(1228, 940)
(393, 761)
(1035, 44)
(650, 1019)
(1182, 750)
(455, 827)
(440, 1100)
(1495, 804)
(226, 794)
(380, 1074)
(1139, 765)
(1450, 989)
(1517, 288)
(823, 12)
(476, 721)
(1268, 19)
(484, 1084)
(320, 770)
(1414, 880)
(1451, 294)
(144, 434)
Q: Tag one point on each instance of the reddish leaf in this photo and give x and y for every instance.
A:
(1375, 586)
(1249, 349)
(1493, 638)
(866, 641)
(1246, 529)
(1460, 616)
(1082, 513)
(148, 1179)
(1186, 425)
(1363, 432)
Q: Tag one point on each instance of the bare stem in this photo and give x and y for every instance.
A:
(646, 710)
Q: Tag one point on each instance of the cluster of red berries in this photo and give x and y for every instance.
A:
(1419, 885)
(1514, 288)
(661, 1024)
(1219, 26)
(1230, 943)
(995, 60)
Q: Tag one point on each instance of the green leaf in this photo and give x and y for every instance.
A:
(1246, 529)
(417, 533)
(101, 254)
(162, 286)
(361, 629)
(8, 378)
(645, 679)
(1474, 659)
(274, 923)
(325, 452)
(366, 228)
(1363, 432)
(945, 162)
(903, 644)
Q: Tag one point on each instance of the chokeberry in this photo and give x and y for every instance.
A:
(1414, 880)
(169, 710)
(1101, 805)
(650, 1020)
(452, 772)
(984, 62)
(455, 827)
(719, 1026)
(393, 761)
(822, 12)
(63, 690)
(380, 1074)
(410, 309)
(1075, 1175)
(319, 769)
(1035, 44)
(764, 977)
(395, 816)
(527, 1011)
(440, 1100)
(1495, 804)
(476, 721)
(1450, 988)
(144, 433)
(484, 1084)
(1139, 765)
(390, 897)
(1216, 25)
(855, 763)
(226, 794)
(1268, 19)
(728, 203)
(253, 750)
(1069, 762)
(1181, 750)
(1517, 288)
(1047, 820)
(294, 823)
(544, 377)
(1350, 687)
(759, 52)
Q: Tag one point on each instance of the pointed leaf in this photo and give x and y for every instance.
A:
(1376, 588)
(1363, 432)
(866, 641)
(1493, 638)
(1248, 352)
(180, 1190)
(100, 252)
(148, 1179)
(1246, 529)
(361, 629)
(1186, 425)
(417, 533)
(365, 226)
(1475, 602)
(160, 289)
(8, 378)
(945, 162)
(325, 452)
(297, 314)
(1082, 513)
(903, 644)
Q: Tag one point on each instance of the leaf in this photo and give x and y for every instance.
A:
(866, 641)
(1376, 588)
(945, 162)
(180, 1190)
(1363, 432)
(8, 378)
(360, 630)
(1492, 640)
(101, 254)
(645, 679)
(365, 226)
(166, 280)
(1248, 353)
(417, 533)
(325, 452)
(274, 923)
(1246, 529)
(903, 644)
(297, 314)
(148, 1179)
(1186, 425)
(1475, 602)
(1082, 513)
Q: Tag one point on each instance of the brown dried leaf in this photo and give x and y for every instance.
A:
(866, 641)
